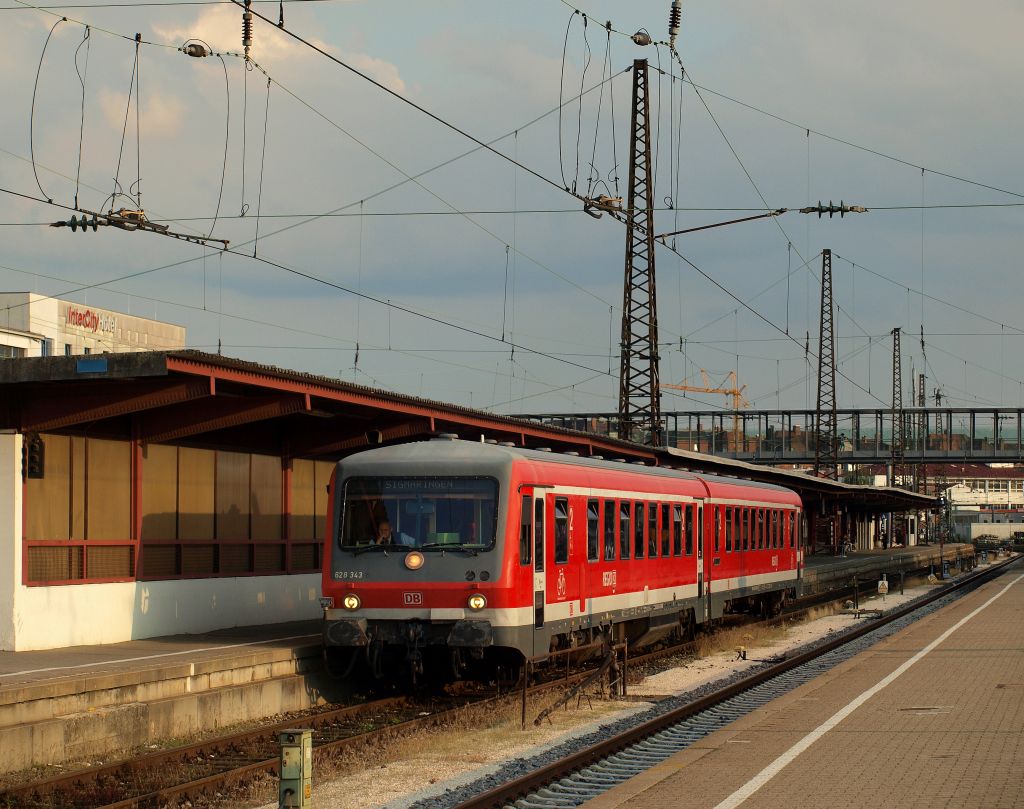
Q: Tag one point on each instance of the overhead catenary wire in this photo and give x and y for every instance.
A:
(81, 127)
(32, 113)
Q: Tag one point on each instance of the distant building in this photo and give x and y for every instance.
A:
(34, 325)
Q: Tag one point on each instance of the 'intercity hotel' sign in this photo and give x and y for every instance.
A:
(90, 320)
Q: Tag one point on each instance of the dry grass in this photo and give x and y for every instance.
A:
(726, 640)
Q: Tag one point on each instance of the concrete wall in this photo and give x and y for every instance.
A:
(87, 614)
(10, 534)
(1001, 530)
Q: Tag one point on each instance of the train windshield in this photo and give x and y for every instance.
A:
(419, 512)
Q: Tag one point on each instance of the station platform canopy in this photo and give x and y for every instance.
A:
(201, 399)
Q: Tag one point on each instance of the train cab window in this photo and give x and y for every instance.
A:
(593, 529)
(689, 530)
(538, 534)
(525, 524)
(728, 530)
(652, 529)
(561, 530)
(666, 547)
(625, 529)
(745, 528)
(677, 530)
(638, 530)
(609, 530)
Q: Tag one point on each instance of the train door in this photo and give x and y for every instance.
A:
(702, 569)
(540, 643)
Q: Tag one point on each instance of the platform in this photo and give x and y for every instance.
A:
(62, 705)
(824, 572)
(931, 716)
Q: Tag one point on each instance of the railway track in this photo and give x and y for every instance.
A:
(588, 772)
(216, 766)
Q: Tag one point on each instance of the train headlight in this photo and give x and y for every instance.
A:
(414, 560)
(477, 601)
(351, 601)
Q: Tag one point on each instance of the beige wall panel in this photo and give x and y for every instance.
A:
(322, 478)
(48, 499)
(232, 495)
(265, 497)
(196, 470)
(108, 495)
(159, 492)
(303, 499)
(78, 487)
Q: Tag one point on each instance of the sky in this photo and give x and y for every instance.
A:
(448, 271)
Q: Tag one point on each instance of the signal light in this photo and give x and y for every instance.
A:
(33, 457)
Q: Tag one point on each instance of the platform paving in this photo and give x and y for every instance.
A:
(923, 719)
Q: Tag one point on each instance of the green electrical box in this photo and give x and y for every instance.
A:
(296, 769)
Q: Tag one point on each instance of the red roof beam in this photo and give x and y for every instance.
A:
(173, 424)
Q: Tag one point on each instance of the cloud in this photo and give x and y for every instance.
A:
(161, 116)
(221, 28)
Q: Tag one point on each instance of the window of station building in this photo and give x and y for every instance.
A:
(728, 529)
(609, 530)
(87, 350)
(625, 528)
(525, 523)
(46, 348)
(677, 530)
(638, 531)
(11, 352)
(67, 349)
(593, 529)
(561, 530)
(666, 541)
(652, 530)
(689, 529)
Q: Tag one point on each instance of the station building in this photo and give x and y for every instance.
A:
(34, 325)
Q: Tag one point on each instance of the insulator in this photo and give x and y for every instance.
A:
(247, 28)
(195, 49)
(641, 38)
(675, 16)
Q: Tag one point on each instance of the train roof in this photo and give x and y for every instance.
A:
(454, 449)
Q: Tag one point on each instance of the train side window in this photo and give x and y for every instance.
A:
(719, 526)
(625, 529)
(525, 525)
(776, 529)
(728, 530)
(638, 531)
(666, 542)
(593, 529)
(792, 527)
(561, 530)
(677, 530)
(760, 528)
(609, 530)
(652, 529)
(538, 534)
(745, 528)
(689, 530)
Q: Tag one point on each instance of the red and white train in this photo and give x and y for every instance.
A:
(493, 552)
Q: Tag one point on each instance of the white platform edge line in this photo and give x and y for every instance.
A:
(754, 784)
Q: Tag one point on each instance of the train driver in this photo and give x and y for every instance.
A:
(383, 533)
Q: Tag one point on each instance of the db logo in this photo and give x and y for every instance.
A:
(412, 599)
(561, 584)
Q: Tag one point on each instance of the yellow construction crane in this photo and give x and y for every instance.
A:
(738, 401)
(727, 387)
